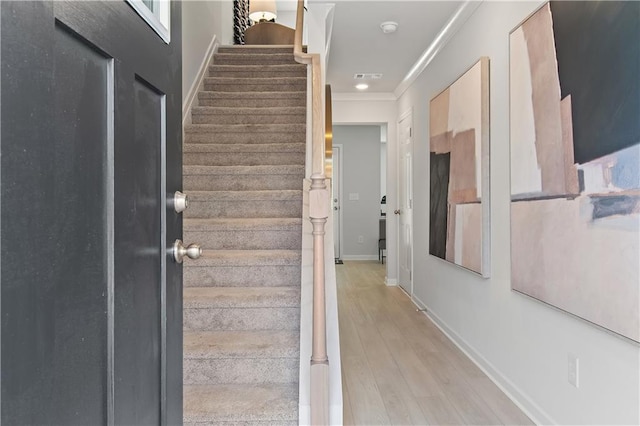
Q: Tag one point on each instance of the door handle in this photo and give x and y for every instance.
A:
(335, 207)
(179, 251)
(180, 202)
(397, 211)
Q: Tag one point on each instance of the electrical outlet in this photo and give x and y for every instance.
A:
(574, 370)
(360, 239)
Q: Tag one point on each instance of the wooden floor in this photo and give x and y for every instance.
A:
(399, 369)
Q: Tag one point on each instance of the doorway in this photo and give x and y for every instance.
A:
(357, 206)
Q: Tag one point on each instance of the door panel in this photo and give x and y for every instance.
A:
(140, 277)
(90, 144)
(405, 205)
(81, 203)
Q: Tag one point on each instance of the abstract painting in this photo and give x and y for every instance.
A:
(575, 160)
(459, 184)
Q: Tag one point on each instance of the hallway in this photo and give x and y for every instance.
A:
(398, 368)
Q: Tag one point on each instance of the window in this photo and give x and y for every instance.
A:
(156, 13)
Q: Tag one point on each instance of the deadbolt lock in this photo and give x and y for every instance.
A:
(180, 202)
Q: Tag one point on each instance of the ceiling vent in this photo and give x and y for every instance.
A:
(367, 76)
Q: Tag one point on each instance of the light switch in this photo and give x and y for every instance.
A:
(354, 196)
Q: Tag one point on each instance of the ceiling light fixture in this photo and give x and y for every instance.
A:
(362, 86)
(389, 27)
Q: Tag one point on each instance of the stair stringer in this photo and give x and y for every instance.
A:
(306, 318)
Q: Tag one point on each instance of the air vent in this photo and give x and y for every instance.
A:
(367, 76)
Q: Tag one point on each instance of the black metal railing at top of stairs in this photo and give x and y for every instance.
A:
(318, 215)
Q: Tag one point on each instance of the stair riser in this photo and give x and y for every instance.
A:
(252, 103)
(245, 137)
(252, 59)
(248, 50)
(241, 370)
(242, 182)
(263, 72)
(247, 240)
(241, 423)
(243, 158)
(257, 87)
(242, 319)
(245, 209)
(247, 118)
(241, 276)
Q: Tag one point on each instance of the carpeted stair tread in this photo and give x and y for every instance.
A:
(279, 195)
(266, 148)
(243, 137)
(210, 110)
(241, 297)
(275, 404)
(224, 275)
(247, 258)
(244, 81)
(233, 84)
(256, 49)
(246, 99)
(257, 115)
(247, 96)
(244, 170)
(242, 224)
(244, 154)
(245, 203)
(245, 128)
(253, 58)
(241, 344)
(284, 70)
(244, 148)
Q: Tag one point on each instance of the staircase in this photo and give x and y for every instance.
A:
(243, 171)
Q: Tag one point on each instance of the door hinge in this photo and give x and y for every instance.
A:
(410, 132)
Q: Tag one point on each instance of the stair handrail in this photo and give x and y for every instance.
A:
(318, 215)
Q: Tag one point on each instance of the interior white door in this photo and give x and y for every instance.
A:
(336, 197)
(405, 204)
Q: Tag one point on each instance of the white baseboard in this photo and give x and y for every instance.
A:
(390, 282)
(187, 104)
(529, 407)
(359, 257)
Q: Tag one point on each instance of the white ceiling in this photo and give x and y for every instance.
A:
(358, 45)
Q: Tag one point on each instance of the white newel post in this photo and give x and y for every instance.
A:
(318, 214)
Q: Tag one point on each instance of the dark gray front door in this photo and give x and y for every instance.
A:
(90, 146)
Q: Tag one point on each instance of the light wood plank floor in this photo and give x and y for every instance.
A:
(399, 369)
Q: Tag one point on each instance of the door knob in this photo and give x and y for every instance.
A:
(180, 202)
(335, 207)
(397, 211)
(192, 251)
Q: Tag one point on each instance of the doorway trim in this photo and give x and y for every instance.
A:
(407, 114)
(338, 148)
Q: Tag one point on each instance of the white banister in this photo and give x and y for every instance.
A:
(318, 214)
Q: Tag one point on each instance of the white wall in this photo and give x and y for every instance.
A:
(361, 176)
(200, 20)
(205, 24)
(522, 343)
(368, 110)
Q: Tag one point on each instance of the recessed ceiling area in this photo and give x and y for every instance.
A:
(358, 44)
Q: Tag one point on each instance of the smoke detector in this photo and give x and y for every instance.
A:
(367, 76)
(389, 27)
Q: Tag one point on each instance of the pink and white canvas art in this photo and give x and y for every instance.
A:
(459, 158)
(575, 161)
